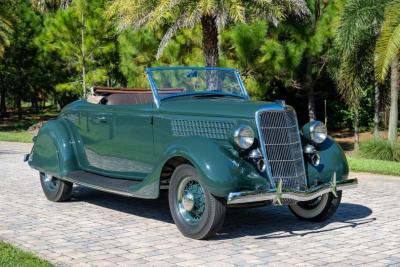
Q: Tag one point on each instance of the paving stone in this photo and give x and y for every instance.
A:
(101, 229)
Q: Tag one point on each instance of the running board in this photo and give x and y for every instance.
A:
(102, 183)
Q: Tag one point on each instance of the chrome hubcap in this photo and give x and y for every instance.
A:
(188, 201)
(191, 200)
(50, 182)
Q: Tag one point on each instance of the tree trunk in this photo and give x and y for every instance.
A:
(19, 107)
(83, 55)
(394, 98)
(311, 103)
(356, 130)
(376, 111)
(3, 107)
(210, 40)
(309, 86)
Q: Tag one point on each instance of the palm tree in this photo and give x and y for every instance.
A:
(355, 40)
(387, 56)
(209, 13)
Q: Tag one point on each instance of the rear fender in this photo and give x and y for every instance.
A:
(53, 150)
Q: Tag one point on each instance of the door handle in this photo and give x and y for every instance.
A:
(101, 119)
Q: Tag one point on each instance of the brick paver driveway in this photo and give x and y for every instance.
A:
(97, 228)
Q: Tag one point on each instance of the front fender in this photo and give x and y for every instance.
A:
(53, 151)
(333, 160)
(219, 168)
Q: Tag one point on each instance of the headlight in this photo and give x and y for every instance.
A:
(243, 137)
(315, 131)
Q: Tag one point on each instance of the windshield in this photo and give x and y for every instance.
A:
(179, 81)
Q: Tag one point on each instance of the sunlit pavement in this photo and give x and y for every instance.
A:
(100, 229)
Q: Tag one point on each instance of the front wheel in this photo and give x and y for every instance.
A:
(196, 212)
(318, 209)
(55, 189)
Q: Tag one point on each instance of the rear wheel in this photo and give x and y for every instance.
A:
(55, 189)
(196, 212)
(318, 209)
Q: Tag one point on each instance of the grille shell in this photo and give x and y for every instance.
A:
(281, 146)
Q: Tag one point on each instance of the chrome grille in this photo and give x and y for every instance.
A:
(281, 139)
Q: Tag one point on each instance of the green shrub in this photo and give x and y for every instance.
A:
(380, 149)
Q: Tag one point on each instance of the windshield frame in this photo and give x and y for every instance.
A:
(158, 98)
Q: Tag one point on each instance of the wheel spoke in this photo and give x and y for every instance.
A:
(191, 200)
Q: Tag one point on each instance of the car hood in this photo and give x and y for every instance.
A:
(215, 107)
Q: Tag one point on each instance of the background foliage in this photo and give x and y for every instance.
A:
(43, 55)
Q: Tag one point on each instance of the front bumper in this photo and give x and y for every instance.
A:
(278, 194)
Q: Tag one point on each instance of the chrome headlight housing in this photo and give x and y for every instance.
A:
(243, 136)
(315, 131)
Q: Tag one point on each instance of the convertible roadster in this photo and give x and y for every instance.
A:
(197, 134)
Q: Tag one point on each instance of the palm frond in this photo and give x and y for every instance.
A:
(388, 44)
(267, 10)
(178, 14)
(349, 84)
(359, 18)
(208, 7)
(187, 20)
(360, 24)
(162, 12)
(236, 11)
(136, 13)
(298, 8)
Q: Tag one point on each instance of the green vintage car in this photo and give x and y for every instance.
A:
(197, 134)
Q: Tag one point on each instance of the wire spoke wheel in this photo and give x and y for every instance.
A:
(191, 200)
(195, 211)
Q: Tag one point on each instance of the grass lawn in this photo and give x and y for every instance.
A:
(358, 164)
(16, 136)
(14, 129)
(11, 256)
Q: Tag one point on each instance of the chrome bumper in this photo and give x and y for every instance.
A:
(277, 195)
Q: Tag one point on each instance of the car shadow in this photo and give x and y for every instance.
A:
(157, 209)
(271, 222)
(278, 222)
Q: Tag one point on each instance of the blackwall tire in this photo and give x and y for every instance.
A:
(195, 211)
(55, 189)
(317, 210)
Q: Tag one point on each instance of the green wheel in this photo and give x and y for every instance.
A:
(196, 212)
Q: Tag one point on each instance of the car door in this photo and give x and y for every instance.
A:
(98, 138)
(132, 141)
(92, 128)
(116, 140)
